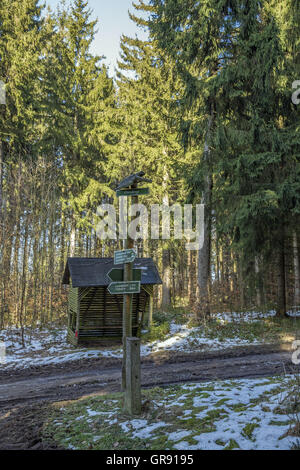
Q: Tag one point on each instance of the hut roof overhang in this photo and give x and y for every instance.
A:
(92, 272)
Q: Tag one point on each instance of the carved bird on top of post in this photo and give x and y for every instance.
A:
(133, 180)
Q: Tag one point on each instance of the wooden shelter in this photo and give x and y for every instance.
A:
(94, 315)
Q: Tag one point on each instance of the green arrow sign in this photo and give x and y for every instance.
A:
(117, 274)
(130, 287)
(132, 192)
(124, 256)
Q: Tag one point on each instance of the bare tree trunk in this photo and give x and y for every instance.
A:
(258, 290)
(73, 238)
(62, 243)
(166, 288)
(2, 275)
(1, 180)
(217, 260)
(204, 255)
(192, 282)
(281, 300)
(296, 270)
(241, 285)
(23, 284)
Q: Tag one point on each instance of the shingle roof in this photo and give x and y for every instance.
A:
(92, 272)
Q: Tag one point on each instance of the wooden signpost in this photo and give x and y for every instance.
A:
(131, 287)
(133, 192)
(124, 256)
(117, 274)
(127, 281)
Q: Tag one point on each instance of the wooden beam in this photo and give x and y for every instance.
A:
(133, 402)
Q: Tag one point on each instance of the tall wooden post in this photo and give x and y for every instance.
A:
(132, 400)
(131, 382)
(127, 303)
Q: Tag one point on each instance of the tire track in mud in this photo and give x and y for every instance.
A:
(71, 379)
(26, 395)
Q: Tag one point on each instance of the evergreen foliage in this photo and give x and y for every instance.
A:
(203, 107)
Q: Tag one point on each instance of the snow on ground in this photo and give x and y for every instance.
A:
(251, 316)
(49, 346)
(38, 352)
(252, 414)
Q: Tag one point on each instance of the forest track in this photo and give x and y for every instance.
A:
(25, 395)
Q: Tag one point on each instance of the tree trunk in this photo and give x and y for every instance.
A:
(1, 181)
(281, 300)
(73, 238)
(258, 290)
(296, 270)
(204, 251)
(241, 285)
(2, 230)
(166, 288)
(192, 283)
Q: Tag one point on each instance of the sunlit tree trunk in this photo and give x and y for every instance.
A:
(166, 261)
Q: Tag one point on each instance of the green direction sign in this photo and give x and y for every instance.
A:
(130, 287)
(117, 274)
(124, 256)
(132, 192)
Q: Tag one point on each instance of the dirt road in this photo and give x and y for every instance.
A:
(25, 394)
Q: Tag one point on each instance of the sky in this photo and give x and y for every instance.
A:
(113, 22)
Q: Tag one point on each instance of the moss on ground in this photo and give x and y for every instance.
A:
(270, 330)
(265, 330)
(248, 430)
(171, 416)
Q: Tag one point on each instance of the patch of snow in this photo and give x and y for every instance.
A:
(178, 435)
(49, 346)
(93, 413)
(144, 433)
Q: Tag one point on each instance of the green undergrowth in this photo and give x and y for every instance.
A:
(266, 329)
(162, 320)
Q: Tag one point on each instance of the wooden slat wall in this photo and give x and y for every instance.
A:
(72, 313)
(71, 338)
(73, 298)
(100, 314)
(95, 320)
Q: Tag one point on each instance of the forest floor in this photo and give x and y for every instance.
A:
(171, 331)
(32, 416)
(29, 398)
(251, 414)
(83, 410)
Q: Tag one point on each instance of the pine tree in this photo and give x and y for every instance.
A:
(84, 93)
(237, 60)
(259, 180)
(198, 36)
(148, 90)
(21, 42)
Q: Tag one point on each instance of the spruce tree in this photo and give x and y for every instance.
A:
(236, 59)
(259, 179)
(83, 95)
(199, 38)
(146, 123)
